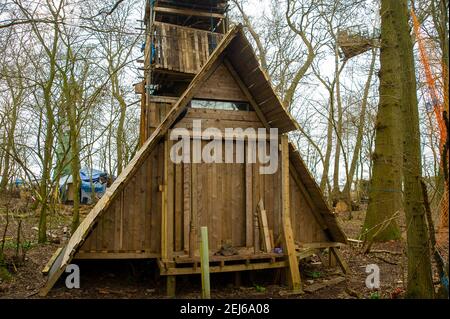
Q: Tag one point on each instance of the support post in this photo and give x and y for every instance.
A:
(167, 205)
(340, 260)
(171, 286)
(204, 255)
(288, 236)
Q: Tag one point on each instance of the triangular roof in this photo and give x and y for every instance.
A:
(235, 49)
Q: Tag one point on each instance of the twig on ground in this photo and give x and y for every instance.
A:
(386, 261)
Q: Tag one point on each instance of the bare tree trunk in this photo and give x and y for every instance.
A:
(360, 132)
(11, 119)
(326, 164)
(420, 282)
(385, 194)
(120, 137)
(335, 194)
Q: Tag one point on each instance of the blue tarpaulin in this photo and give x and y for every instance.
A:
(90, 180)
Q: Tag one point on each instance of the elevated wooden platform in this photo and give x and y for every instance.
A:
(186, 265)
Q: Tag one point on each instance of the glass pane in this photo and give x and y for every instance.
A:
(220, 105)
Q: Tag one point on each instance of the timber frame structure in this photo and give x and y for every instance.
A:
(155, 208)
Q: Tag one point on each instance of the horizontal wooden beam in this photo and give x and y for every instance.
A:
(189, 12)
(162, 99)
(320, 245)
(226, 268)
(115, 255)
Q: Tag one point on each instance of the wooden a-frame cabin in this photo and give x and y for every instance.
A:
(197, 69)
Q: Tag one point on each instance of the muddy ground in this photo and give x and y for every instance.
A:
(131, 279)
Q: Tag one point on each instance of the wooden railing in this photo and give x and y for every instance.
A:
(182, 49)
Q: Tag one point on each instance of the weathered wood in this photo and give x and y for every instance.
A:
(320, 245)
(264, 227)
(327, 283)
(177, 48)
(189, 12)
(247, 93)
(243, 116)
(51, 261)
(204, 254)
(249, 205)
(194, 211)
(164, 210)
(288, 237)
(171, 286)
(179, 205)
(138, 224)
(162, 99)
(186, 205)
(139, 88)
(340, 259)
(225, 268)
(221, 86)
(317, 215)
(116, 255)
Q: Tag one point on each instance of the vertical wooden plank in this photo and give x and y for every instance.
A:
(186, 52)
(264, 227)
(197, 53)
(142, 207)
(256, 196)
(214, 212)
(228, 216)
(164, 46)
(186, 205)
(277, 207)
(99, 233)
(122, 208)
(178, 207)
(194, 211)
(248, 201)
(205, 48)
(180, 49)
(148, 204)
(108, 234)
(169, 198)
(340, 259)
(289, 245)
(155, 213)
(204, 253)
(171, 286)
(164, 210)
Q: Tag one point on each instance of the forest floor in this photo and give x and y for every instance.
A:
(126, 279)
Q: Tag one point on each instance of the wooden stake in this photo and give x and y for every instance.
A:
(264, 226)
(204, 255)
(340, 259)
(171, 286)
(288, 236)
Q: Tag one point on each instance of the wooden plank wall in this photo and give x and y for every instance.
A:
(132, 223)
(183, 49)
(221, 86)
(223, 197)
(153, 116)
(304, 225)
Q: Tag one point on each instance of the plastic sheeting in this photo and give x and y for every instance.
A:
(91, 180)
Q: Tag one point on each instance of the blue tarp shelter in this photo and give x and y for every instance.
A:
(91, 180)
